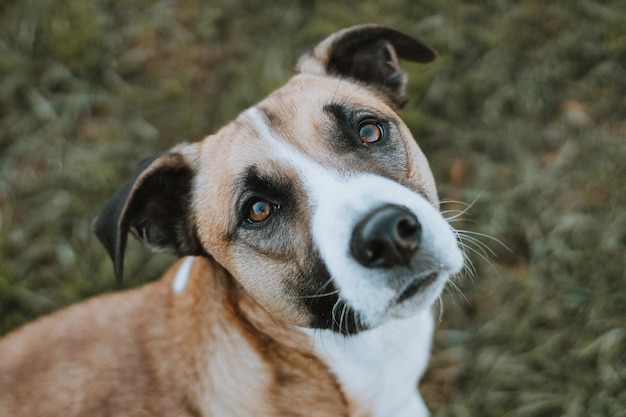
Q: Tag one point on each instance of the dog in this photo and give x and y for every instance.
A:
(312, 250)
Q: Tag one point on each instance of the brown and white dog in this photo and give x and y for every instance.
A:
(313, 253)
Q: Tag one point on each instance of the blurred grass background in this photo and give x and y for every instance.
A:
(523, 115)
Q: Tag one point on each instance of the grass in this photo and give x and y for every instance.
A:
(523, 116)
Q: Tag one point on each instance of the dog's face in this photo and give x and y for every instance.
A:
(317, 200)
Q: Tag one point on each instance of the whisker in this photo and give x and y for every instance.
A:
(450, 201)
(439, 302)
(458, 219)
(477, 243)
(469, 270)
(347, 318)
(342, 317)
(457, 289)
(457, 215)
(333, 313)
(467, 206)
(477, 253)
(454, 217)
(470, 241)
(486, 236)
(328, 294)
(319, 295)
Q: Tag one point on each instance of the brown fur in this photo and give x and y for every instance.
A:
(220, 157)
(206, 332)
(225, 345)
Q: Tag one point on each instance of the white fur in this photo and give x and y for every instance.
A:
(333, 222)
(182, 275)
(339, 202)
(379, 368)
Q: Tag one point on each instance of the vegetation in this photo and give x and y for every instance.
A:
(523, 118)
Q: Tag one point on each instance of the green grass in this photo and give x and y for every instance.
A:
(523, 116)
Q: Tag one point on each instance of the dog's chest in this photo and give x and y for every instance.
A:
(379, 369)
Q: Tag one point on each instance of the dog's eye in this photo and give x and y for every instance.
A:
(370, 132)
(258, 210)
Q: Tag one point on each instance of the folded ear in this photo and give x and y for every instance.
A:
(369, 54)
(154, 205)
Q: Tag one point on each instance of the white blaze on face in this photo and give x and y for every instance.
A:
(339, 202)
(368, 290)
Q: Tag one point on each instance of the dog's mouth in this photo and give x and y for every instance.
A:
(416, 286)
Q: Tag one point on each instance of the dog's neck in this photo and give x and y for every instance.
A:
(379, 368)
(276, 359)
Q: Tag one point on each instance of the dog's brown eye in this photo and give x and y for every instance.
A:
(259, 210)
(370, 132)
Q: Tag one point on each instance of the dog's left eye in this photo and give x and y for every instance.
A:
(258, 210)
(370, 132)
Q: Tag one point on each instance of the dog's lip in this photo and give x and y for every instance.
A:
(417, 285)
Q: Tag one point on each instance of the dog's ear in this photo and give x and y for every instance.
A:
(154, 205)
(369, 54)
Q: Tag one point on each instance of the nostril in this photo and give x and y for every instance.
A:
(374, 253)
(387, 237)
(408, 227)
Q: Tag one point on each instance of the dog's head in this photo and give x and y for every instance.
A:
(317, 200)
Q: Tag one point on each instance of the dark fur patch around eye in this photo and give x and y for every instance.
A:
(346, 120)
(270, 186)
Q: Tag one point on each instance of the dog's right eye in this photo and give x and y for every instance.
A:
(259, 210)
(370, 132)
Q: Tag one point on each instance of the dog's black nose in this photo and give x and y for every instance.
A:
(387, 237)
